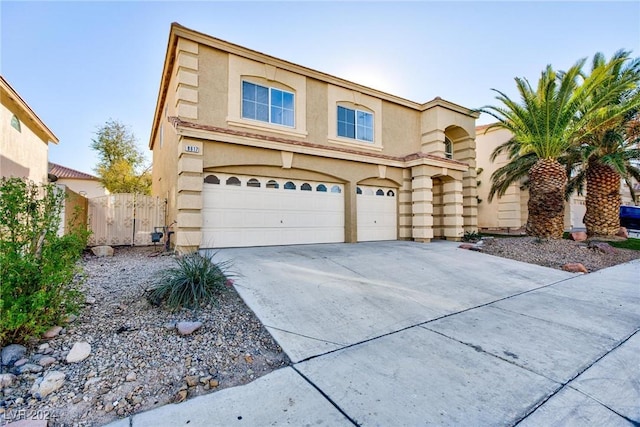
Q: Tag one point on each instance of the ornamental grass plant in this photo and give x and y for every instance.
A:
(195, 281)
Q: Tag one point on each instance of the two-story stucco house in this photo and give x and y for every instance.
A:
(24, 146)
(252, 150)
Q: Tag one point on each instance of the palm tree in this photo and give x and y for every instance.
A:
(545, 125)
(609, 145)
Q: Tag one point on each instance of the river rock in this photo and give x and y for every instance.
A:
(186, 328)
(11, 353)
(79, 352)
(46, 385)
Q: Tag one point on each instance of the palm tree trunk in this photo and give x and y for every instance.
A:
(547, 183)
(603, 200)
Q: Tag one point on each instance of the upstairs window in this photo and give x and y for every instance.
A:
(355, 124)
(267, 104)
(448, 148)
(15, 123)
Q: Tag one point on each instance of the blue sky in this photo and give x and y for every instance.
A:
(78, 64)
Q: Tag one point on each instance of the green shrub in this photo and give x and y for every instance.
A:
(37, 266)
(195, 281)
(471, 236)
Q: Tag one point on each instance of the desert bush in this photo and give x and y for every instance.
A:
(37, 266)
(194, 281)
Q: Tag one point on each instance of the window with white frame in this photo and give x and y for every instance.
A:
(355, 124)
(267, 104)
(448, 148)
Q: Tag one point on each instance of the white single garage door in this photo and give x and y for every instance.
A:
(258, 211)
(377, 213)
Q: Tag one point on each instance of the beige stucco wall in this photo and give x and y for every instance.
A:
(25, 153)
(502, 212)
(85, 187)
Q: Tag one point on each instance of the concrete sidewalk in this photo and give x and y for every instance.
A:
(400, 333)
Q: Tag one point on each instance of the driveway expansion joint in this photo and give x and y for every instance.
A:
(326, 396)
(568, 384)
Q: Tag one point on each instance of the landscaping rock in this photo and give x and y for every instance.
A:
(603, 247)
(102, 251)
(20, 362)
(43, 347)
(7, 380)
(79, 352)
(623, 233)
(46, 385)
(28, 423)
(191, 380)
(90, 300)
(578, 236)
(11, 353)
(53, 332)
(46, 361)
(186, 328)
(131, 376)
(466, 246)
(29, 368)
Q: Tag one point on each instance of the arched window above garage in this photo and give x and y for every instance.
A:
(336, 189)
(321, 188)
(305, 187)
(253, 183)
(272, 184)
(212, 179)
(358, 190)
(233, 181)
(289, 186)
(380, 192)
(390, 193)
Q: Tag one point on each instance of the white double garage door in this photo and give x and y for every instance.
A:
(241, 210)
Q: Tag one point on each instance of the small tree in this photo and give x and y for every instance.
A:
(37, 266)
(121, 166)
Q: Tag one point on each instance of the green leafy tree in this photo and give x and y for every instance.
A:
(549, 120)
(121, 165)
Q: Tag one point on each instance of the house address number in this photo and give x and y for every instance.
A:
(192, 149)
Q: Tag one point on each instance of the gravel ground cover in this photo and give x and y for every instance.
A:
(556, 253)
(138, 360)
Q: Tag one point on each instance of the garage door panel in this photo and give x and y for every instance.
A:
(377, 214)
(251, 216)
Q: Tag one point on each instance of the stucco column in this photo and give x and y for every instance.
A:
(405, 214)
(189, 196)
(452, 201)
(421, 204)
(350, 213)
(466, 152)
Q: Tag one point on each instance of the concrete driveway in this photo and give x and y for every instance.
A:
(401, 333)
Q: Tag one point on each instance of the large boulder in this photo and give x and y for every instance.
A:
(602, 247)
(102, 251)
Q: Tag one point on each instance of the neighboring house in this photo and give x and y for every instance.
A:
(510, 211)
(82, 183)
(252, 150)
(24, 146)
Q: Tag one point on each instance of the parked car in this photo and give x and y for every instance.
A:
(630, 217)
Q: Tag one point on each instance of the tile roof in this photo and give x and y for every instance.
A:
(176, 122)
(67, 173)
